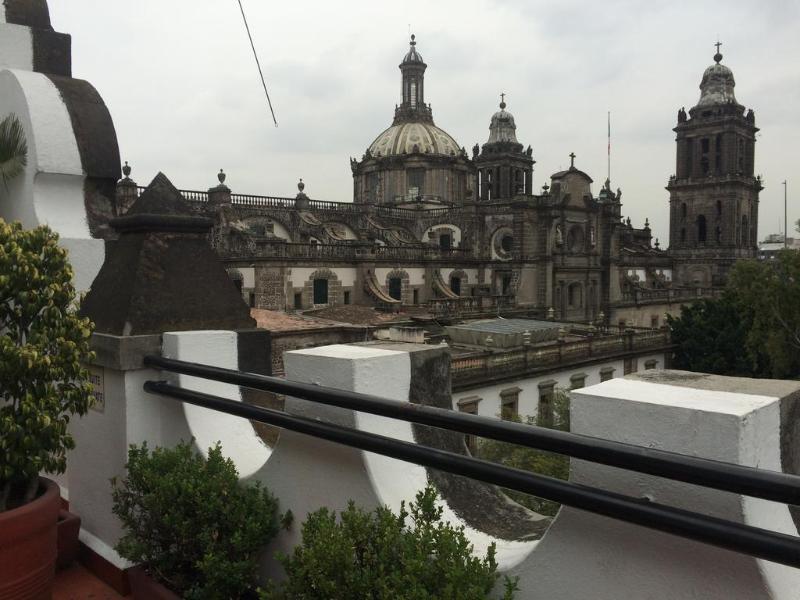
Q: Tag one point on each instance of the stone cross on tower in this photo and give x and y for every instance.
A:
(571, 160)
(718, 56)
(503, 100)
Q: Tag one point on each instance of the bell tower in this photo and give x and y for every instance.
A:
(714, 193)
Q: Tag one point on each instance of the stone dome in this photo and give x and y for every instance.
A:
(412, 56)
(402, 138)
(502, 127)
(717, 85)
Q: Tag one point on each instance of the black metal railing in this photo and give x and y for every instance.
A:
(770, 485)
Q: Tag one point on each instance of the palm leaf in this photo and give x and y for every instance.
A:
(13, 148)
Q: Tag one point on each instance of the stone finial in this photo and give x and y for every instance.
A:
(301, 186)
(221, 176)
(545, 188)
(646, 223)
(718, 56)
(551, 313)
(526, 338)
(126, 170)
(658, 247)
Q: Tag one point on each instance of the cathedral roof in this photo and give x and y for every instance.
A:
(502, 127)
(412, 56)
(410, 137)
(717, 85)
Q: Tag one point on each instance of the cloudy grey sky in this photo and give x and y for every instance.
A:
(182, 87)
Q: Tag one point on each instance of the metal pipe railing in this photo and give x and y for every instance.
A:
(754, 541)
(758, 483)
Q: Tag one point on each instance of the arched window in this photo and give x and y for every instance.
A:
(455, 285)
(683, 210)
(683, 234)
(719, 234)
(701, 228)
(745, 231)
(719, 208)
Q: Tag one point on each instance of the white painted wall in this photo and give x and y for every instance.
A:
(528, 405)
(50, 190)
(16, 45)
(415, 276)
(308, 473)
(588, 556)
(248, 276)
(299, 275)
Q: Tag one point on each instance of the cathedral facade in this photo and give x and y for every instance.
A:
(460, 233)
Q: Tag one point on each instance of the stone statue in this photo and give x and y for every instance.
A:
(559, 236)
(592, 241)
(682, 115)
(475, 151)
(529, 151)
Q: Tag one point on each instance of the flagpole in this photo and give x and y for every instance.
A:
(609, 146)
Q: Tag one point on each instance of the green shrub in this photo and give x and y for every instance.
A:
(530, 459)
(380, 556)
(43, 349)
(191, 523)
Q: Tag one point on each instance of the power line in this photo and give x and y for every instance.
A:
(258, 64)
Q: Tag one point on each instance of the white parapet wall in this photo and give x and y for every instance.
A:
(722, 418)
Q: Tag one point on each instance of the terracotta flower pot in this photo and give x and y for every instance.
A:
(144, 587)
(28, 546)
(69, 526)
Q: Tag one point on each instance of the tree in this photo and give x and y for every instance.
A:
(43, 350)
(711, 335)
(771, 293)
(753, 330)
(13, 148)
(530, 459)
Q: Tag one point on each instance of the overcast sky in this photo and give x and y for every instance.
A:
(179, 79)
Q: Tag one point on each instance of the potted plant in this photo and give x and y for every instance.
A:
(193, 528)
(43, 347)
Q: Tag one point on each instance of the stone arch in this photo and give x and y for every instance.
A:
(270, 225)
(462, 279)
(333, 287)
(435, 233)
(403, 286)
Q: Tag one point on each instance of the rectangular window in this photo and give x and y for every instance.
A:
(298, 300)
(509, 403)
(606, 373)
(650, 364)
(416, 182)
(631, 365)
(415, 294)
(577, 381)
(469, 405)
(346, 297)
(654, 321)
(545, 412)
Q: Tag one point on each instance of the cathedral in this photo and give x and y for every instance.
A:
(459, 233)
